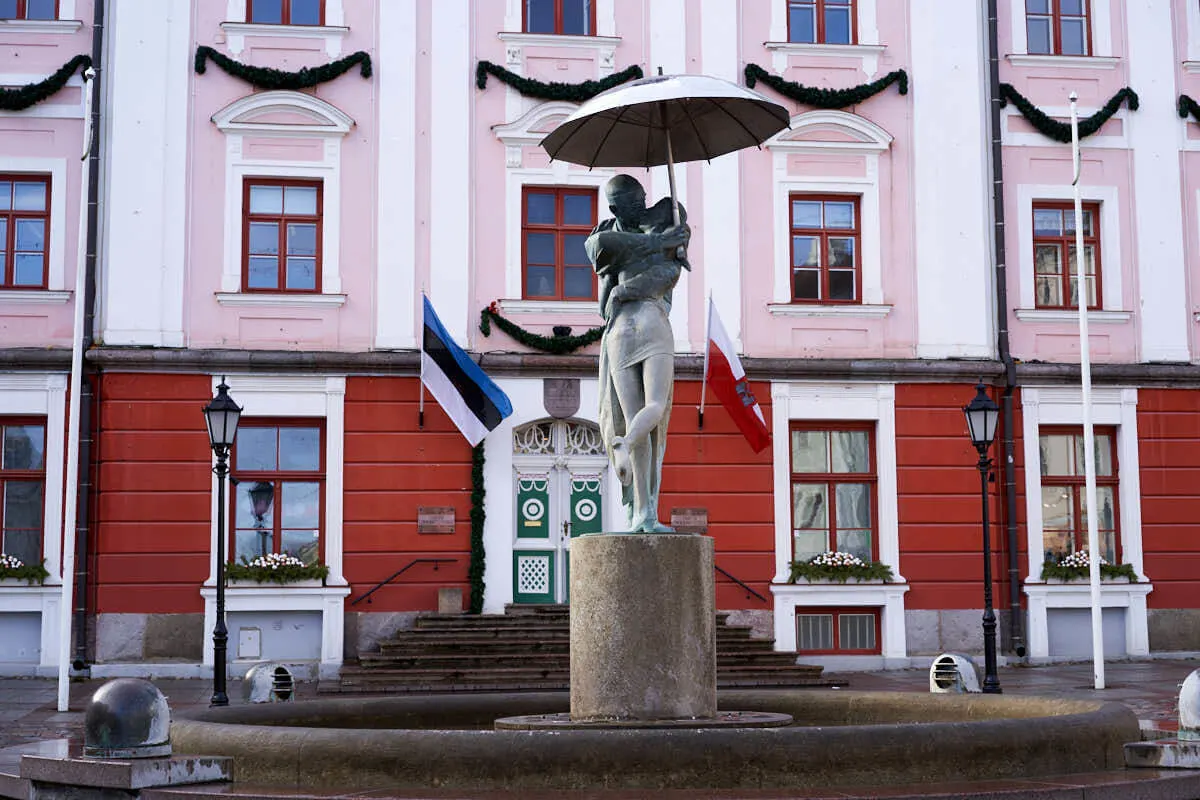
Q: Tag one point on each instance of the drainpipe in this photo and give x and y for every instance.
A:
(1016, 623)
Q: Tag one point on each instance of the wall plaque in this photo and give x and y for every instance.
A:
(561, 397)
(689, 520)
(435, 519)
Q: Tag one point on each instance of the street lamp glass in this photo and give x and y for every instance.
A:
(222, 416)
(982, 417)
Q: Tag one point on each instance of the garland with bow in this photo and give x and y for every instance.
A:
(1188, 106)
(30, 94)
(1061, 131)
(574, 92)
(267, 78)
(557, 345)
(478, 493)
(825, 98)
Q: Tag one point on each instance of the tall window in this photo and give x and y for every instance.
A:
(1058, 27)
(22, 488)
(833, 490)
(1055, 284)
(555, 224)
(1064, 519)
(821, 21)
(576, 17)
(826, 264)
(24, 229)
(837, 630)
(279, 500)
(281, 236)
(286, 12)
(28, 9)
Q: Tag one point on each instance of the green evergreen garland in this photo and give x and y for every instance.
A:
(475, 570)
(1061, 131)
(557, 345)
(825, 98)
(267, 78)
(1188, 106)
(30, 94)
(575, 92)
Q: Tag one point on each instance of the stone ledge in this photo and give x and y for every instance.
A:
(126, 774)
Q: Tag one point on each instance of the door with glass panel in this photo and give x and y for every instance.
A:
(558, 475)
(833, 490)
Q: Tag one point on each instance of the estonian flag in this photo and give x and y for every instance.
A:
(475, 404)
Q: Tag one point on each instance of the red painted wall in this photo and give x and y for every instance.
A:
(1169, 453)
(153, 518)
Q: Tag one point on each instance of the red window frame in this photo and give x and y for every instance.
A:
(837, 612)
(1065, 242)
(285, 14)
(23, 10)
(9, 266)
(282, 219)
(819, 13)
(277, 477)
(825, 234)
(558, 19)
(560, 230)
(1076, 486)
(831, 479)
(1056, 16)
(23, 475)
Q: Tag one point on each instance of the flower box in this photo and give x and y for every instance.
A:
(13, 572)
(275, 569)
(835, 567)
(1076, 568)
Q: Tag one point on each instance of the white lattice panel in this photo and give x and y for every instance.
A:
(533, 574)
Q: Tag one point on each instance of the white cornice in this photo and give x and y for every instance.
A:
(1066, 62)
(808, 310)
(59, 26)
(259, 299)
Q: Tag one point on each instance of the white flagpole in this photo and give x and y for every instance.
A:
(70, 500)
(1089, 434)
(704, 373)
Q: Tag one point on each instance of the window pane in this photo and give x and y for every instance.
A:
(302, 274)
(1049, 291)
(811, 506)
(809, 453)
(264, 238)
(1058, 453)
(853, 506)
(814, 631)
(249, 545)
(539, 208)
(1089, 259)
(306, 12)
(577, 283)
(39, 9)
(30, 234)
(577, 209)
(28, 270)
(264, 272)
(1069, 222)
(851, 451)
(839, 215)
(806, 284)
(575, 17)
(1091, 291)
(802, 23)
(539, 16)
(24, 447)
(29, 196)
(856, 631)
(841, 285)
(300, 200)
(254, 505)
(806, 251)
(266, 199)
(837, 25)
(1070, 7)
(574, 252)
(300, 449)
(300, 505)
(1037, 6)
(806, 214)
(841, 252)
(1074, 37)
(1038, 34)
(539, 281)
(806, 544)
(1107, 520)
(857, 543)
(302, 240)
(23, 544)
(5, 186)
(8, 9)
(255, 450)
(22, 504)
(1104, 464)
(304, 545)
(539, 248)
(270, 11)
(1047, 259)
(1047, 222)
(1058, 512)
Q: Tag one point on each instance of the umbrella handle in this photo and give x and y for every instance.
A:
(680, 252)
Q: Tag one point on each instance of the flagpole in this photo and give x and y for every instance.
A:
(704, 372)
(421, 382)
(1089, 434)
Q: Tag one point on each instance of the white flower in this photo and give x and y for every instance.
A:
(834, 558)
(274, 561)
(1080, 559)
(10, 562)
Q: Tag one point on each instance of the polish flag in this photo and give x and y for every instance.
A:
(723, 371)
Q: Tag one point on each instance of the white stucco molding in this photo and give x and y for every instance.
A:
(829, 132)
(237, 28)
(56, 237)
(888, 597)
(251, 116)
(1101, 25)
(1129, 596)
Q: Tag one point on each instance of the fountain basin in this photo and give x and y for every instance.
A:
(840, 739)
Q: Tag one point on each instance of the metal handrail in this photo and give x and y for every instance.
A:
(435, 561)
(740, 583)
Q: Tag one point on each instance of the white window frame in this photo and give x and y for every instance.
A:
(315, 397)
(833, 402)
(242, 119)
(870, 142)
(1101, 34)
(1110, 253)
(1111, 407)
(868, 48)
(56, 237)
(238, 29)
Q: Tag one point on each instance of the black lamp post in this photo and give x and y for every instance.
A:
(221, 416)
(982, 416)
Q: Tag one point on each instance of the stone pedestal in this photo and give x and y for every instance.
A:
(643, 627)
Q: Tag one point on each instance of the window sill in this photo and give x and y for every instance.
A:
(332, 35)
(1067, 315)
(243, 299)
(34, 297)
(590, 307)
(1067, 62)
(805, 310)
(59, 26)
(841, 594)
(1078, 595)
(1191, 67)
(558, 39)
(276, 597)
(826, 50)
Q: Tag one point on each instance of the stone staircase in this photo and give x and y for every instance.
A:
(528, 648)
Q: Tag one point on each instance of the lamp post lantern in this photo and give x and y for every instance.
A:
(221, 416)
(982, 416)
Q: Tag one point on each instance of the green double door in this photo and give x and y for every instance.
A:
(554, 504)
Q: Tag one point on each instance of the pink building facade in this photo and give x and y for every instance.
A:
(282, 239)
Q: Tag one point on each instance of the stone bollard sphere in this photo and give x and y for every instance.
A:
(1189, 707)
(127, 718)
